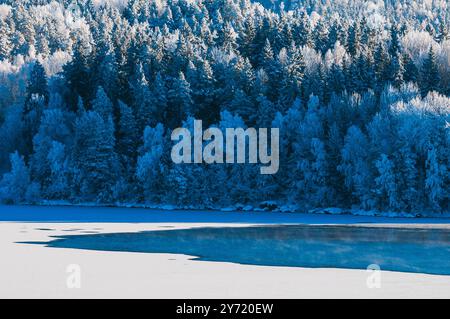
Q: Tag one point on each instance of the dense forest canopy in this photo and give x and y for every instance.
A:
(91, 89)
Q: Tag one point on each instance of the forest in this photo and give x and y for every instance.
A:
(90, 91)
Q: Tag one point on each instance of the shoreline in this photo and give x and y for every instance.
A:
(100, 214)
(237, 208)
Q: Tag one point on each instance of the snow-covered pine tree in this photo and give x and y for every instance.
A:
(14, 185)
(94, 158)
(430, 76)
(150, 169)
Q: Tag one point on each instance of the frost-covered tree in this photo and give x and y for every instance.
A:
(37, 84)
(360, 95)
(314, 176)
(430, 73)
(386, 187)
(6, 45)
(179, 101)
(355, 167)
(94, 157)
(102, 104)
(435, 179)
(150, 167)
(442, 33)
(14, 185)
(58, 178)
(79, 76)
(53, 128)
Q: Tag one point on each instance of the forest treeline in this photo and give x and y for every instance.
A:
(90, 91)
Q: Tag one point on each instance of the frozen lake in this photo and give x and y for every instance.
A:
(148, 253)
(279, 241)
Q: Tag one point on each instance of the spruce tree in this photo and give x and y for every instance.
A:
(411, 72)
(429, 74)
(442, 33)
(179, 101)
(37, 83)
(435, 175)
(354, 39)
(127, 136)
(150, 169)
(94, 157)
(386, 187)
(397, 70)
(102, 104)
(14, 185)
(78, 76)
(6, 45)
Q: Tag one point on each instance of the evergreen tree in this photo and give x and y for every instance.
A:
(397, 70)
(247, 40)
(386, 187)
(58, 179)
(25, 34)
(52, 129)
(150, 169)
(321, 34)
(354, 39)
(394, 47)
(407, 162)
(180, 101)
(228, 38)
(267, 56)
(314, 175)
(442, 33)
(411, 73)
(203, 92)
(14, 185)
(302, 30)
(430, 74)
(127, 137)
(266, 109)
(78, 75)
(35, 102)
(94, 158)
(434, 182)
(355, 167)
(336, 79)
(144, 102)
(381, 60)
(108, 71)
(37, 83)
(293, 78)
(6, 45)
(242, 105)
(102, 104)
(160, 94)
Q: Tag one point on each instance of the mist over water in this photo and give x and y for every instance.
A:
(395, 249)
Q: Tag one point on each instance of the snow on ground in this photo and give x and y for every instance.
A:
(36, 271)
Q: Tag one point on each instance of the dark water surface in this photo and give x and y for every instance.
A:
(396, 249)
(79, 214)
